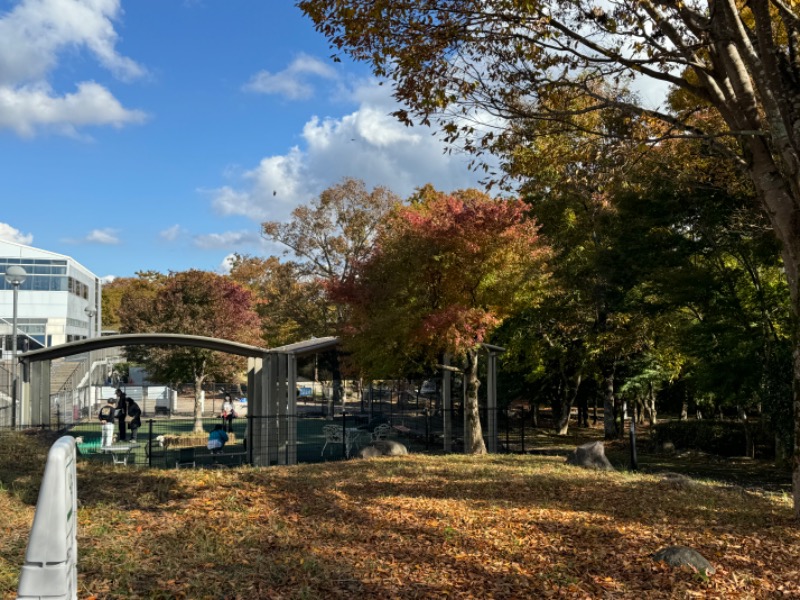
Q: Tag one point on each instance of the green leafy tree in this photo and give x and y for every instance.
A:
(445, 273)
(193, 303)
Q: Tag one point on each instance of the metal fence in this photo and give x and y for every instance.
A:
(176, 442)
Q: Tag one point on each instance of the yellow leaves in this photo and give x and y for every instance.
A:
(502, 527)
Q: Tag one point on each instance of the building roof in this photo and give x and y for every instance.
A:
(311, 346)
(16, 250)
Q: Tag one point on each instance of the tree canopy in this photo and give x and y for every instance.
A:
(480, 73)
(193, 303)
(445, 272)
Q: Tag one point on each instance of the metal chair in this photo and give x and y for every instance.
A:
(381, 432)
(333, 435)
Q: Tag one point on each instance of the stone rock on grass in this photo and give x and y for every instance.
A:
(590, 456)
(383, 448)
(390, 448)
(678, 556)
(677, 480)
(667, 448)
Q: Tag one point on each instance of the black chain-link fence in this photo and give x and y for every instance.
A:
(310, 436)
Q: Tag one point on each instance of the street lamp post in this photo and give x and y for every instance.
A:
(90, 312)
(15, 275)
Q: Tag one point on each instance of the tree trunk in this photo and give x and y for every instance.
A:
(583, 411)
(796, 449)
(685, 406)
(609, 426)
(780, 452)
(566, 400)
(651, 398)
(198, 404)
(473, 435)
(562, 422)
(749, 444)
(779, 195)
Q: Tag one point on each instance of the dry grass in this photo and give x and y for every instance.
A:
(413, 527)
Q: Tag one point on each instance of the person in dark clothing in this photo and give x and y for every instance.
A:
(135, 413)
(120, 414)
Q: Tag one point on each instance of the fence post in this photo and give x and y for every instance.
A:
(427, 428)
(523, 432)
(344, 434)
(249, 434)
(150, 443)
(508, 427)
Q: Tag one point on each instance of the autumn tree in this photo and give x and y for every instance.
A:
(328, 238)
(134, 289)
(445, 272)
(193, 303)
(336, 231)
(732, 64)
(292, 305)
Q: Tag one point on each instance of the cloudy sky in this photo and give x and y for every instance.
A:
(159, 134)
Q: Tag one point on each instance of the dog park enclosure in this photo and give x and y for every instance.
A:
(271, 388)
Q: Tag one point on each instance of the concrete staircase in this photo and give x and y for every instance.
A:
(66, 375)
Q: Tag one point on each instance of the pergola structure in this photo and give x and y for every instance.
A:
(271, 386)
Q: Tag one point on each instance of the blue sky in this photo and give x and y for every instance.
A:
(159, 134)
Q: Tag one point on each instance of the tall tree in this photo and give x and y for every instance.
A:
(194, 303)
(329, 237)
(292, 305)
(336, 231)
(445, 273)
(452, 60)
(140, 287)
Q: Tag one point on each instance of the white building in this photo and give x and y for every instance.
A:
(58, 302)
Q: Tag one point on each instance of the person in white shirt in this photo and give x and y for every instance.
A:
(228, 413)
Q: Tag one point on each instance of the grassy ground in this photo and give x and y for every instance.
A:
(412, 527)
(749, 473)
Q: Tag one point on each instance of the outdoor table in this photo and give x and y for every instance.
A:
(119, 452)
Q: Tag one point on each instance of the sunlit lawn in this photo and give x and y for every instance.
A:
(412, 527)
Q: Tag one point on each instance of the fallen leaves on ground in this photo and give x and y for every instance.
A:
(415, 527)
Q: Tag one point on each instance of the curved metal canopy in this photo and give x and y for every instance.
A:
(142, 339)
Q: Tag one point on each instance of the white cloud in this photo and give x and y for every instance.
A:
(171, 233)
(28, 108)
(227, 264)
(105, 236)
(33, 36)
(12, 234)
(368, 144)
(293, 82)
(277, 184)
(107, 279)
(227, 240)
